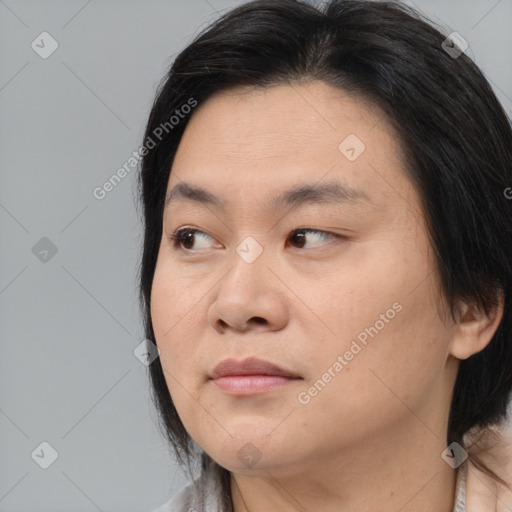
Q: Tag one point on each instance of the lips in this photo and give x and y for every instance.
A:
(250, 366)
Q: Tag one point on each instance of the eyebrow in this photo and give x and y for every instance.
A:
(331, 192)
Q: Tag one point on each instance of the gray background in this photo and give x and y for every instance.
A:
(70, 324)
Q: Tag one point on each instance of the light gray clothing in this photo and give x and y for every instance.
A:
(203, 495)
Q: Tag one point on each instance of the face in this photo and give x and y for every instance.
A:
(336, 285)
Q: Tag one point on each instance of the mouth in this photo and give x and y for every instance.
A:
(250, 376)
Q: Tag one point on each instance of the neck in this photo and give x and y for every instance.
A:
(402, 472)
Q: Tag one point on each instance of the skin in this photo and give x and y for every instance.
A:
(372, 438)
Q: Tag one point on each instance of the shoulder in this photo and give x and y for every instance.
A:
(200, 496)
(182, 502)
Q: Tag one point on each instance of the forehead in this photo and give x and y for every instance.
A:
(253, 143)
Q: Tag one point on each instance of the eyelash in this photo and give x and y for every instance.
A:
(178, 236)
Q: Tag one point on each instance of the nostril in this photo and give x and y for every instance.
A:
(222, 326)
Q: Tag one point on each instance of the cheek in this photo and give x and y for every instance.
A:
(172, 301)
(171, 323)
(172, 328)
(382, 319)
(397, 371)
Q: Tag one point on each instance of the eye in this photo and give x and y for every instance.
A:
(300, 235)
(186, 236)
(183, 238)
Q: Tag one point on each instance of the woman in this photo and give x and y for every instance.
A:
(327, 264)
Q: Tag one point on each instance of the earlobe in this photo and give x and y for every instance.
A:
(475, 328)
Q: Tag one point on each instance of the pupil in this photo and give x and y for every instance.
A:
(187, 237)
(300, 235)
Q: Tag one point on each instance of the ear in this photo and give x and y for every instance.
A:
(475, 328)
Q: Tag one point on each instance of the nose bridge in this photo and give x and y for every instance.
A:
(248, 290)
(248, 266)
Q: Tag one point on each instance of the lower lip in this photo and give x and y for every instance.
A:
(249, 384)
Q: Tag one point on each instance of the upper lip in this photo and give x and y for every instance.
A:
(249, 366)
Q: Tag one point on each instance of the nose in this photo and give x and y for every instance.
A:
(250, 296)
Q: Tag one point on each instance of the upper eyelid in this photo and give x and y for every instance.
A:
(176, 234)
(304, 228)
